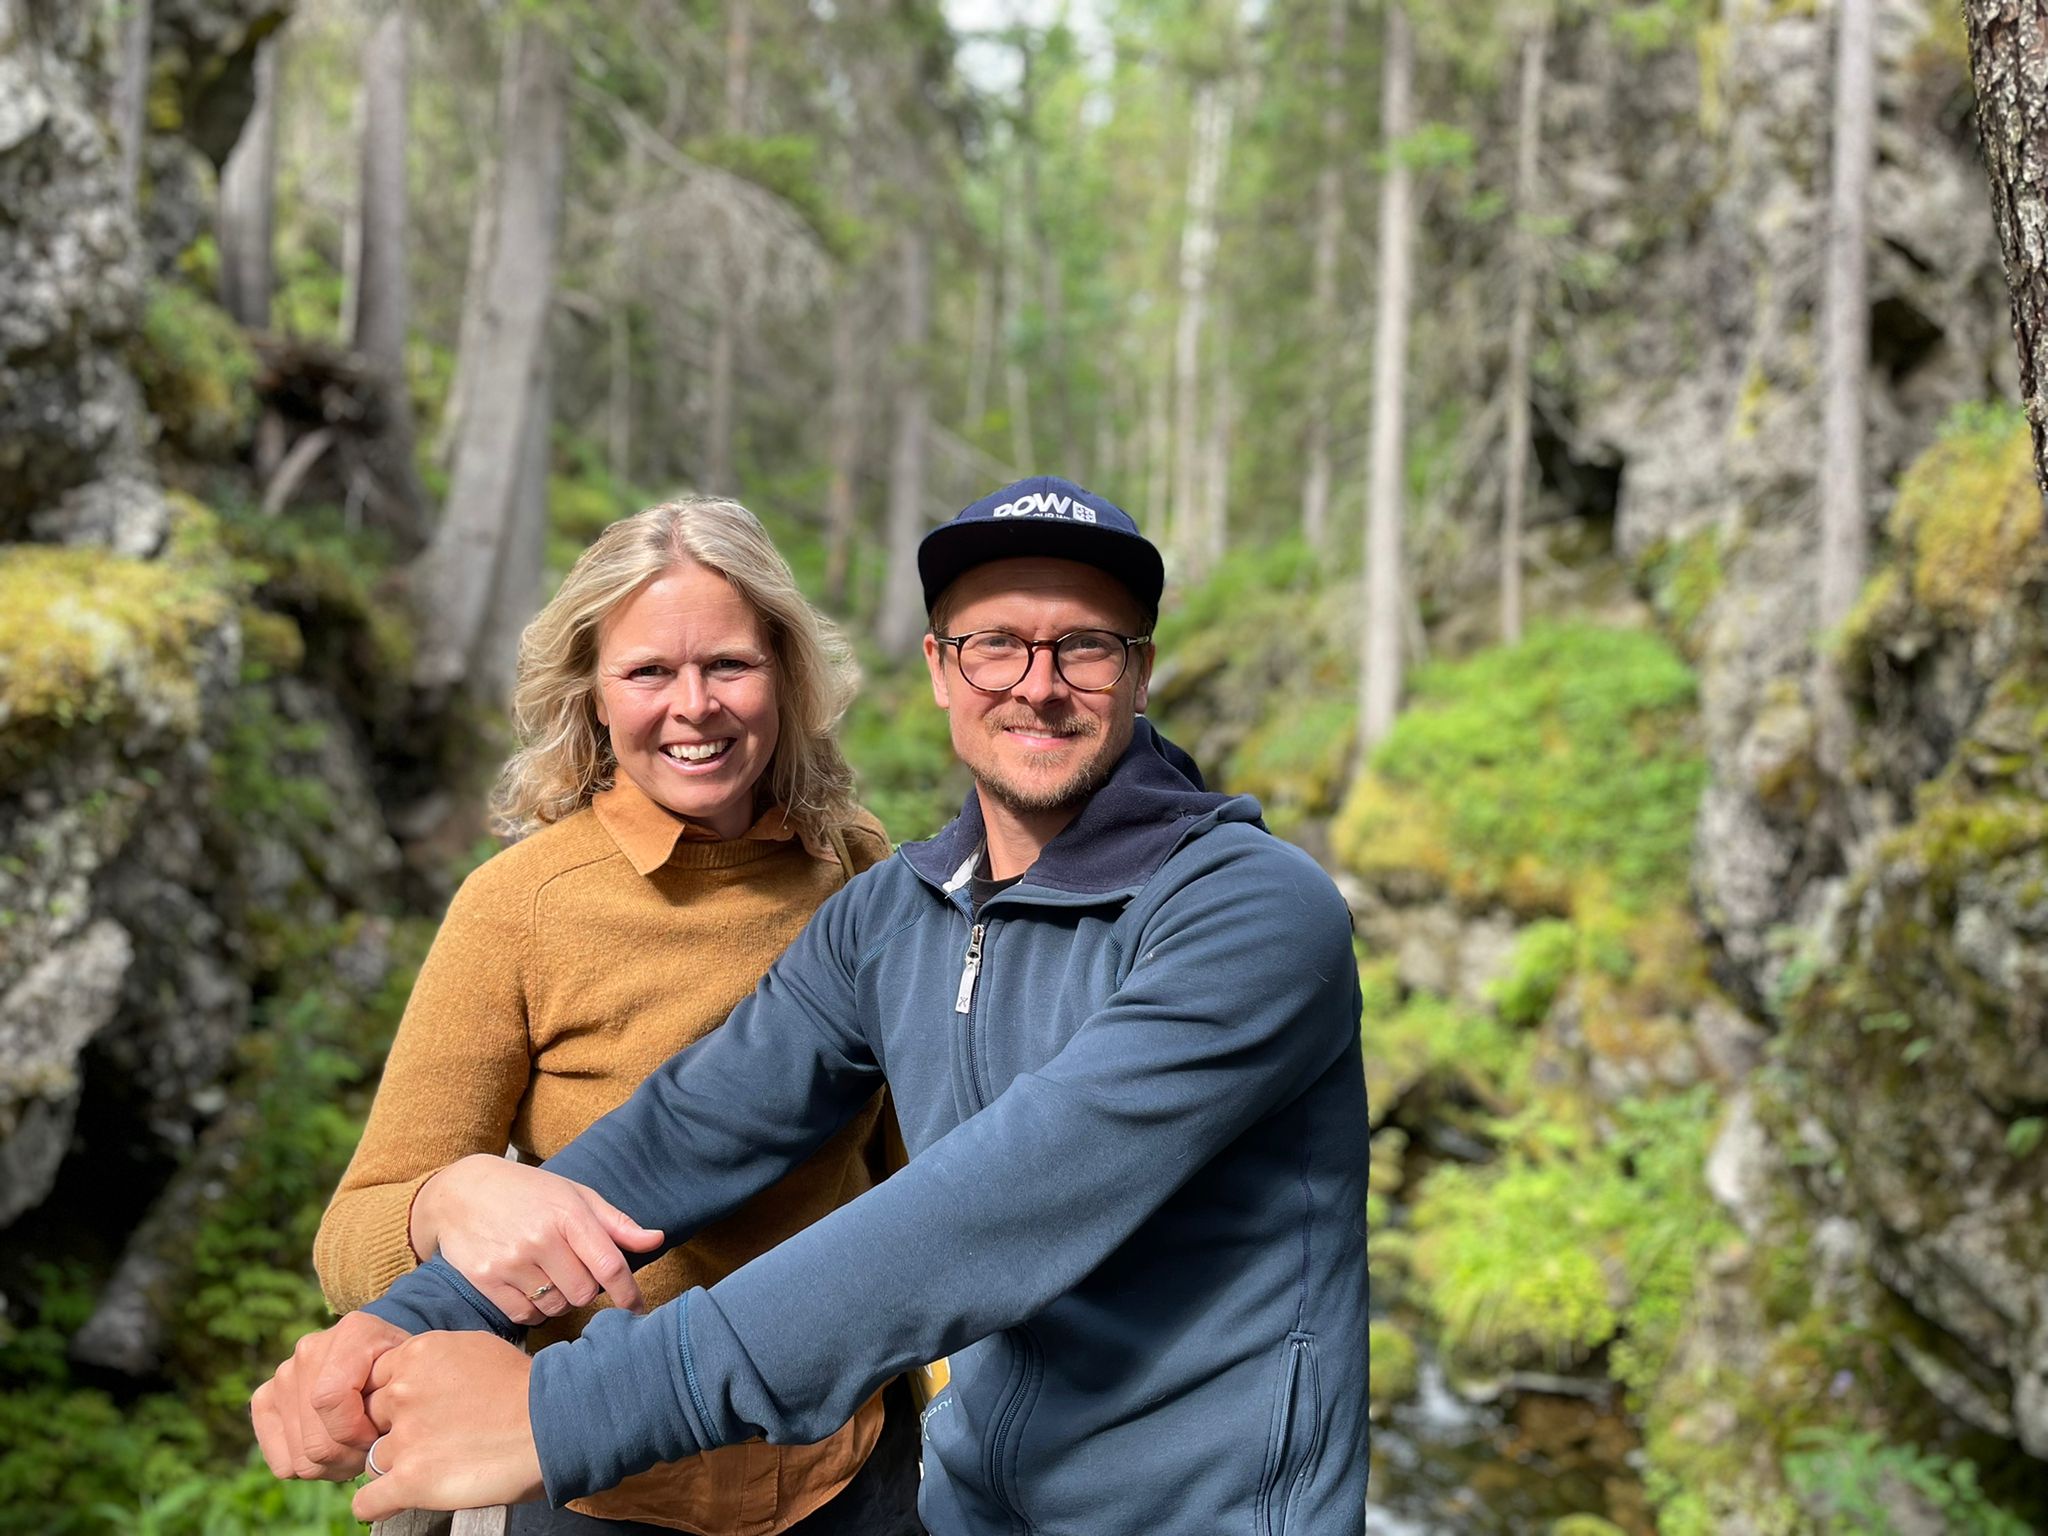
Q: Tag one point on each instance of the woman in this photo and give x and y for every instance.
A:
(683, 809)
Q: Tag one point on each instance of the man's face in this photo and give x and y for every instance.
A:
(1040, 745)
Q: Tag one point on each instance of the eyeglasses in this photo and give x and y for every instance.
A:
(1088, 660)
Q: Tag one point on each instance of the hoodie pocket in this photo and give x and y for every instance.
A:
(1292, 1441)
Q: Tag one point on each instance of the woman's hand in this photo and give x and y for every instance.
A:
(536, 1244)
(450, 1412)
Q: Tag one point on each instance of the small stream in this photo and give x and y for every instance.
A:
(1444, 1467)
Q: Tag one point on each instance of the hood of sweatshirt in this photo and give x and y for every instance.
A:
(1153, 800)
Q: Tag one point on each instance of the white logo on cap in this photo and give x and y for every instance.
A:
(1045, 504)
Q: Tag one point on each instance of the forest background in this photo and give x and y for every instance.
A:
(1698, 845)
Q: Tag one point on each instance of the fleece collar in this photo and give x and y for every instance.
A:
(1153, 798)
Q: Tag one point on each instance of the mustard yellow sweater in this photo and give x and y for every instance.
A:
(569, 967)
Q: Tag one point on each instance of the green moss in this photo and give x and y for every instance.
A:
(1568, 1244)
(1546, 775)
(1545, 954)
(1585, 1525)
(1684, 576)
(1422, 1039)
(1967, 520)
(1395, 1369)
(196, 369)
(1296, 761)
(96, 641)
(334, 583)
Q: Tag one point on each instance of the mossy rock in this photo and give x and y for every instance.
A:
(197, 372)
(1585, 1525)
(1421, 1038)
(1542, 776)
(1395, 1365)
(100, 643)
(1966, 532)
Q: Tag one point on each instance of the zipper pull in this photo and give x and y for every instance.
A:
(969, 971)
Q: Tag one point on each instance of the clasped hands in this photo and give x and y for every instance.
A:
(446, 1412)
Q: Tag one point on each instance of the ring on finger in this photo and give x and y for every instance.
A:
(545, 1288)
(370, 1458)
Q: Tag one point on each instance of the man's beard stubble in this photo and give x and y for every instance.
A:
(1091, 775)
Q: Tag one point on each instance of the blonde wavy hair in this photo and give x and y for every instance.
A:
(565, 755)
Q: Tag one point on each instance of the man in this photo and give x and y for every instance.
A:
(1120, 1024)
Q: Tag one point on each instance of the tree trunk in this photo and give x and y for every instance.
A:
(382, 304)
(2008, 47)
(516, 594)
(718, 472)
(843, 448)
(483, 241)
(455, 578)
(131, 100)
(1380, 679)
(980, 350)
(1521, 331)
(1323, 325)
(1214, 540)
(1045, 263)
(901, 619)
(1211, 136)
(248, 186)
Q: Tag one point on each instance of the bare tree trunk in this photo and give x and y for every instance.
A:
(1016, 386)
(483, 241)
(516, 594)
(728, 287)
(1315, 489)
(1051, 294)
(383, 294)
(248, 187)
(1158, 452)
(980, 349)
(718, 474)
(1380, 680)
(1521, 331)
(618, 405)
(1214, 540)
(1211, 135)
(131, 100)
(456, 576)
(2008, 41)
(901, 619)
(381, 306)
(841, 504)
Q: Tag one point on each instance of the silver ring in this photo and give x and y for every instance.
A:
(540, 1290)
(370, 1457)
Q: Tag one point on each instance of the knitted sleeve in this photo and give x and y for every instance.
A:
(456, 1073)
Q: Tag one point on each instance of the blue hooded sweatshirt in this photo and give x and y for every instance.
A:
(1134, 1215)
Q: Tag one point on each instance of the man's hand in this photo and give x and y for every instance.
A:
(450, 1410)
(513, 1230)
(310, 1416)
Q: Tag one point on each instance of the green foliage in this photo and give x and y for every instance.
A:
(1421, 1039)
(1295, 762)
(335, 583)
(97, 641)
(1853, 1480)
(1545, 955)
(902, 754)
(1547, 775)
(1394, 1368)
(196, 369)
(1683, 577)
(1569, 1243)
(1965, 530)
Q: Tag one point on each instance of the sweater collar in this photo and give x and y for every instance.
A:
(648, 835)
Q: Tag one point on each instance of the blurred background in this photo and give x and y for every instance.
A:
(1601, 528)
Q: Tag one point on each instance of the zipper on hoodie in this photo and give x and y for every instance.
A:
(969, 970)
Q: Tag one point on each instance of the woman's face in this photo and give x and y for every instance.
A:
(686, 686)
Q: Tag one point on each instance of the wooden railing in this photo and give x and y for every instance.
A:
(429, 1522)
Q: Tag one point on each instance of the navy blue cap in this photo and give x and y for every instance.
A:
(1048, 517)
